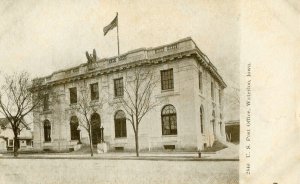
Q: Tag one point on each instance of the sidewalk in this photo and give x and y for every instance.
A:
(228, 154)
(232, 151)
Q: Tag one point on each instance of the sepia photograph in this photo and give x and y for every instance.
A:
(119, 92)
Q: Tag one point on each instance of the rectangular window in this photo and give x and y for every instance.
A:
(94, 91)
(119, 87)
(167, 81)
(200, 82)
(212, 91)
(10, 143)
(28, 142)
(73, 95)
(46, 102)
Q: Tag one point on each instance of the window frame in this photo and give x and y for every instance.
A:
(73, 91)
(94, 89)
(10, 142)
(201, 120)
(200, 78)
(166, 118)
(47, 131)
(28, 142)
(167, 79)
(120, 125)
(46, 102)
(212, 90)
(119, 87)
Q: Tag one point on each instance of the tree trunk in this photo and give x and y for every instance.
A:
(91, 148)
(91, 144)
(15, 145)
(136, 136)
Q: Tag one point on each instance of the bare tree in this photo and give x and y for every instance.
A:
(86, 108)
(17, 100)
(236, 96)
(138, 98)
(232, 97)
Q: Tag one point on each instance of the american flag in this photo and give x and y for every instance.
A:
(110, 26)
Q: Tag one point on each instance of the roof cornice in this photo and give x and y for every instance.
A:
(166, 53)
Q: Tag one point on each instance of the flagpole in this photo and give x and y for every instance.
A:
(118, 35)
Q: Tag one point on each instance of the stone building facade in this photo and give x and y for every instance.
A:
(188, 116)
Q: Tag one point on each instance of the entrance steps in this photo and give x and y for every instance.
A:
(86, 149)
(217, 146)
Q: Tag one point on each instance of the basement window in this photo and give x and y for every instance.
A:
(169, 147)
(119, 148)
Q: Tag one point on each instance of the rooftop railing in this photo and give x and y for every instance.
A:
(132, 56)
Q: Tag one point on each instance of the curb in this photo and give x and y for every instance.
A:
(125, 158)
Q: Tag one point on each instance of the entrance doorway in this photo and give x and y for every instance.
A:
(75, 133)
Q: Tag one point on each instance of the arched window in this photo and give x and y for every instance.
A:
(47, 131)
(201, 119)
(75, 133)
(120, 124)
(169, 120)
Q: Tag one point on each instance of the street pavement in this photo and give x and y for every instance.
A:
(65, 171)
(151, 167)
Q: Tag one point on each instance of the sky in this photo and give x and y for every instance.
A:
(45, 36)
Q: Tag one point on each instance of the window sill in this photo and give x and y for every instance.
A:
(120, 138)
(167, 90)
(118, 97)
(169, 135)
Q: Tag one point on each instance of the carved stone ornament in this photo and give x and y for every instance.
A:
(91, 58)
